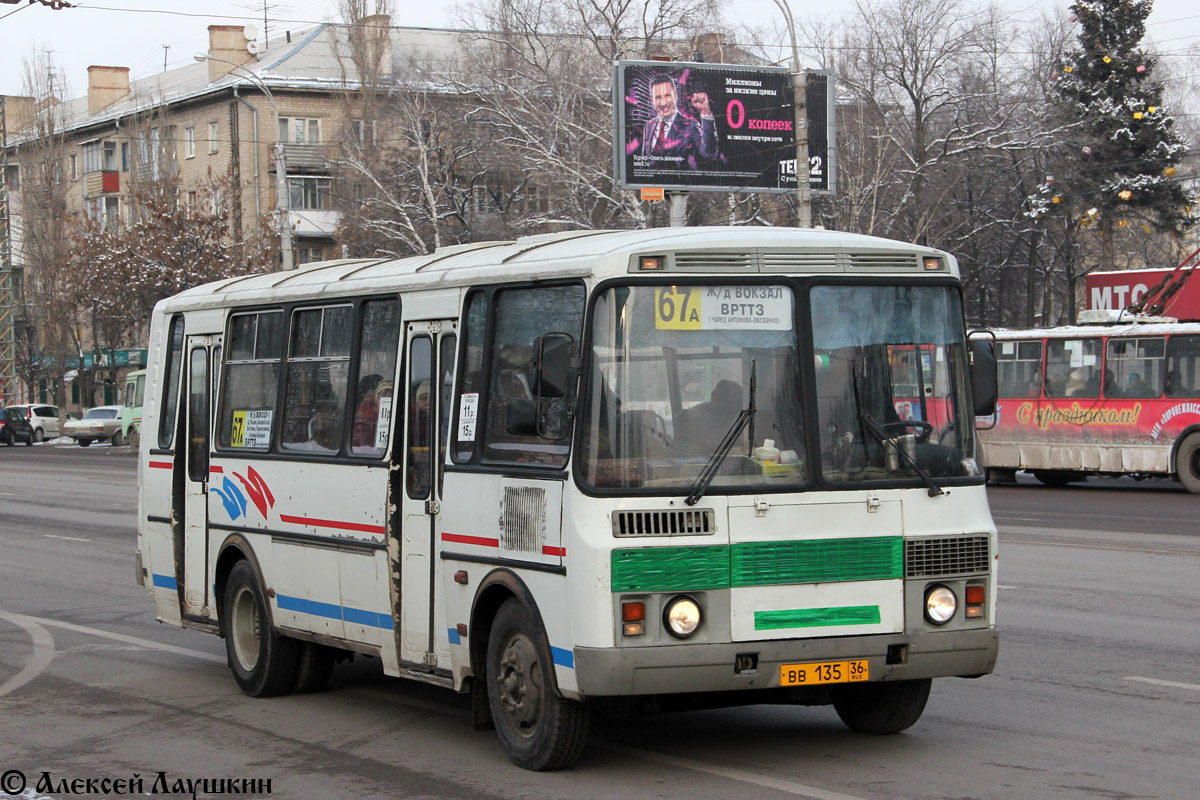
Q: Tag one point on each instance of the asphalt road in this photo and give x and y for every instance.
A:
(1095, 696)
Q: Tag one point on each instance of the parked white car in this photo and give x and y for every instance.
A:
(43, 419)
(98, 424)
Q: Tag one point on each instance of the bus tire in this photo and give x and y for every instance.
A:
(882, 708)
(538, 729)
(314, 666)
(1056, 477)
(263, 662)
(1187, 463)
(135, 440)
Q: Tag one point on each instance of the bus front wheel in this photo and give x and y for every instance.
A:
(882, 708)
(1187, 463)
(539, 730)
(263, 662)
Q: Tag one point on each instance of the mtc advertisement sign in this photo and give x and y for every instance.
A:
(1113, 291)
(717, 127)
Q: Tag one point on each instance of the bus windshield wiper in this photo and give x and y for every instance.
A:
(705, 478)
(877, 433)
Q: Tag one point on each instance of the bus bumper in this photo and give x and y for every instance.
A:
(671, 669)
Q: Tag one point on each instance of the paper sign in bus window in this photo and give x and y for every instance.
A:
(468, 407)
(251, 428)
(383, 422)
(722, 308)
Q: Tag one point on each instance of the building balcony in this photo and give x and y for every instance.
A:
(303, 158)
(314, 222)
(105, 182)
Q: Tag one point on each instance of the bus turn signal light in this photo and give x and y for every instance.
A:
(633, 618)
(651, 262)
(976, 596)
(932, 263)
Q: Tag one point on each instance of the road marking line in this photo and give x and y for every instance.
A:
(68, 538)
(732, 774)
(1173, 684)
(116, 637)
(43, 652)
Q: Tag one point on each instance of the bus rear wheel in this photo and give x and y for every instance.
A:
(263, 662)
(882, 708)
(135, 440)
(538, 729)
(1057, 477)
(1187, 463)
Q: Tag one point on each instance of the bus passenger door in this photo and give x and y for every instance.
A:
(429, 368)
(197, 426)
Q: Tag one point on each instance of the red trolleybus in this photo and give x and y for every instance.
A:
(1098, 400)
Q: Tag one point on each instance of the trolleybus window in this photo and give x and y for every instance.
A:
(862, 431)
(1183, 366)
(671, 371)
(1134, 367)
(166, 428)
(251, 380)
(1073, 368)
(314, 405)
(1019, 369)
(373, 400)
(522, 317)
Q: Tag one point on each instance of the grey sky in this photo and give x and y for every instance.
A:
(131, 33)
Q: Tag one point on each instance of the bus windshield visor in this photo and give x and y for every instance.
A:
(891, 383)
(673, 370)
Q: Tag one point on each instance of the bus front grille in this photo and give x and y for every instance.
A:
(674, 522)
(947, 555)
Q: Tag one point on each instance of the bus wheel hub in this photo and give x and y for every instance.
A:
(520, 683)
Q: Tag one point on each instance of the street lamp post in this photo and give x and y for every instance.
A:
(800, 90)
(281, 181)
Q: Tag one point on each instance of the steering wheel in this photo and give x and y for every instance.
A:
(921, 428)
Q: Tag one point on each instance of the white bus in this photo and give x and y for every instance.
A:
(627, 470)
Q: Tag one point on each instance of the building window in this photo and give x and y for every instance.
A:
(213, 137)
(311, 254)
(310, 194)
(189, 142)
(362, 131)
(215, 197)
(124, 156)
(299, 130)
(13, 177)
(74, 167)
(191, 201)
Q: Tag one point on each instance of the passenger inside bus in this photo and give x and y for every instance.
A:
(1136, 387)
(704, 425)
(1175, 384)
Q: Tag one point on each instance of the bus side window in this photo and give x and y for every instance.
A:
(1183, 366)
(522, 317)
(171, 379)
(1019, 368)
(470, 379)
(1134, 367)
(251, 383)
(318, 370)
(374, 396)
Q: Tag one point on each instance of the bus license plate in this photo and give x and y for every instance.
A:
(824, 672)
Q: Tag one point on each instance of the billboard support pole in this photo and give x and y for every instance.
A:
(800, 104)
(678, 202)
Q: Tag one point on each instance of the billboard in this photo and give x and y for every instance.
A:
(717, 127)
(1113, 291)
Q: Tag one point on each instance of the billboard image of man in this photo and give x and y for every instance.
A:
(672, 135)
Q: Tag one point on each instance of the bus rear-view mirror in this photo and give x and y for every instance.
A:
(983, 372)
(554, 364)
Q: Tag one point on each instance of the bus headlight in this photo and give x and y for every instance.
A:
(940, 604)
(682, 617)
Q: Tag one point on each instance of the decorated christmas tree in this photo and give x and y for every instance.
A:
(1124, 147)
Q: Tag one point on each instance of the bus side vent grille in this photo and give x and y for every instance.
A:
(715, 260)
(678, 522)
(523, 519)
(883, 261)
(950, 555)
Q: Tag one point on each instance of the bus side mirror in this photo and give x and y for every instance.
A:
(554, 364)
(982, 354)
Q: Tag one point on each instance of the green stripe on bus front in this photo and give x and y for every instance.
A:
(815, 617)
(818, 561)
(668, 569)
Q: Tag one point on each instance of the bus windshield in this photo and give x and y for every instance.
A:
(891, 383)
(671, 370)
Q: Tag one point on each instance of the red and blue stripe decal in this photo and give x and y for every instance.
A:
(355, 616)
(485, 541)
